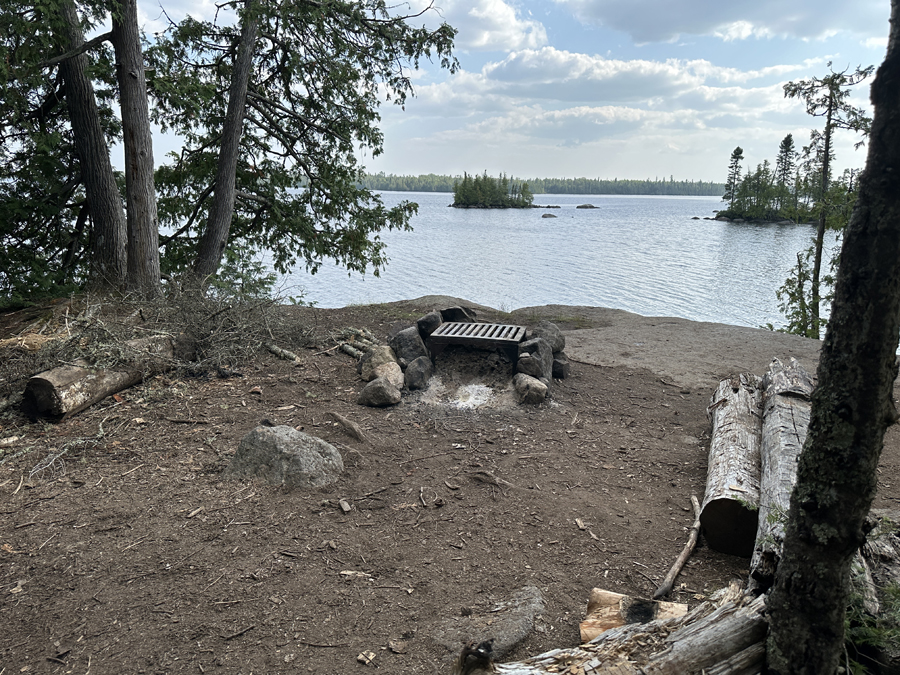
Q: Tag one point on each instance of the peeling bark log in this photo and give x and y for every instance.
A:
(786, 404)
(64, 391)
(729, 637)
(729, 511)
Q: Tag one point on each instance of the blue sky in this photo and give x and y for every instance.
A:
(619, 88)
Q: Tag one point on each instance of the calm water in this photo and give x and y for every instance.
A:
(641, 254)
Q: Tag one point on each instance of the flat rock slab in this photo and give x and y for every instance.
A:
(284, 456)
(507, 623)
(691, 354)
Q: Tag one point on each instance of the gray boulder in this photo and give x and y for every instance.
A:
(408, 345)
(535, 359)
(379, 393)
(284, 456)
(418, 373)
(459, 314)
(552, 334)
(392, 373)
(429, 323)
(548, 215)
(371, 360)
(530, 390)
(560, 366)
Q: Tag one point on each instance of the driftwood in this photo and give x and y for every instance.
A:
(729, 511)
(66, 390)
(786, 405)
(608, 610)
(666, 586)
(703, 639)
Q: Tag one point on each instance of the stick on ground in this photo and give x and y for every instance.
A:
(666, 586)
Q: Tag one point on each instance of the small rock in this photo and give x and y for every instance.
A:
(371, 360)
(585, 206)
(408, 345)
(429, 323)
(459, 314)
(548, 215)
(535, 358)
(551, 333)
(560, 366)
(284, 456)
(379, 393)
(530, 390)
(392, 373)
(418, 373)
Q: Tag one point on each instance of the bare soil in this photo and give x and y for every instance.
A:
(124, 550)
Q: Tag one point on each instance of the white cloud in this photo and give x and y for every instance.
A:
(664, 20)
(486, 25)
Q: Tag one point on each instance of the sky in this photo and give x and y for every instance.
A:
(617, 88)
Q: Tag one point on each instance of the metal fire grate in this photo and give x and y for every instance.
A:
(475, 335)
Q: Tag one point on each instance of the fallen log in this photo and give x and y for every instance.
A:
(786, 405)
(61, 392)
(701, 640)
(728, 514)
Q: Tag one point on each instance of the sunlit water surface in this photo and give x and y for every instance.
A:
(643, 254)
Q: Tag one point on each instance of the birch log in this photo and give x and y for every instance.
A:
(786, 405)
(64, 391)
(729, 511)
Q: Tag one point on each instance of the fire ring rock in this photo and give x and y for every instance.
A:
(284, 456)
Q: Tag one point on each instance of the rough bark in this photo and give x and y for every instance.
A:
(108, 261)
(215, 236)
(140, 193)
(786, 395)
(698, 641)
(728, 514)
(61, 392)
(851, 407)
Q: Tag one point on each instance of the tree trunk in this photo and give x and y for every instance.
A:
(728, 514)
(787, 391)
(851, 407)
(820, 230)
(140, 193)
(61, 392)
(108, 261)
(215, 236)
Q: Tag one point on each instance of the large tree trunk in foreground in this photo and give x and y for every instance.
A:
(728, 514)
(787, 391)
(64, 391)
(108, 261)
(851, 407)
(140, 192)
(215, 236)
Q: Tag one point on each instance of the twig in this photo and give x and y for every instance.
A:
(239, 633)
(325, 351)
(133, 470)
(352, 428)
(666, 586)
(319, 644)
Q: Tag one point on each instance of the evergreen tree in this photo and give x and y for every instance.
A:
(732, 183)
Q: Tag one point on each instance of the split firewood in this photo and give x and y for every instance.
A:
(729, 511)
(66, 390)
(666, 586)
(607, 610)
(786, 406)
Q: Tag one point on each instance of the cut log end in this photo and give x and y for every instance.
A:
(730, 526)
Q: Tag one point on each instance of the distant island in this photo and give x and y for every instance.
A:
(561, 186)
(486, 192)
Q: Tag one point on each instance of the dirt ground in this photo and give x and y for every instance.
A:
(124, 550)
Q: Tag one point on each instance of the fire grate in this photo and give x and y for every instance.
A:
(482, 335)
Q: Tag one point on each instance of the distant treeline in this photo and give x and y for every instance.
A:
(560, 186)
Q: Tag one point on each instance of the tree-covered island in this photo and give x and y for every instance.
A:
(486, 192)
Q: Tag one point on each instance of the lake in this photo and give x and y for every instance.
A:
(643, 254)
